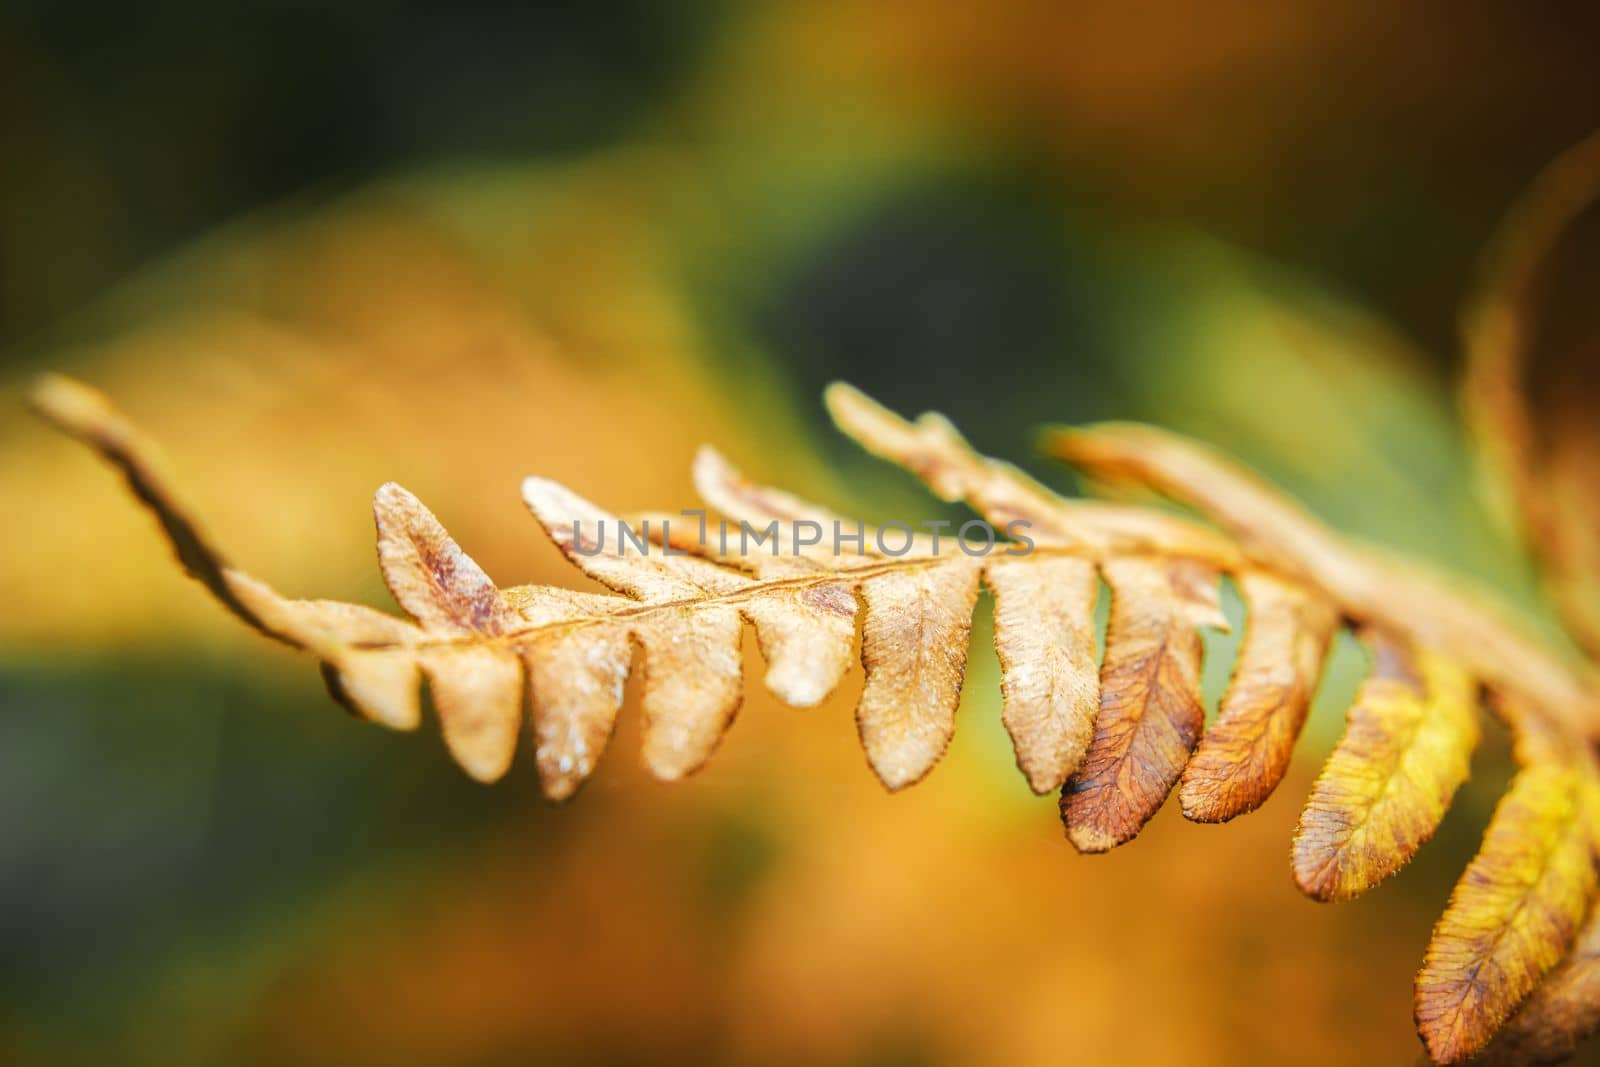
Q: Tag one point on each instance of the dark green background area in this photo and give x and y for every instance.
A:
(127, 130)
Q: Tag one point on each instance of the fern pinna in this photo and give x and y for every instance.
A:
(1515, 953)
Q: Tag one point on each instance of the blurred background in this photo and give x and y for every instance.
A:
(312, 250)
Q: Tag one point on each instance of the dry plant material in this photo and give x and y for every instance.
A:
(1115, 738)
(1513, 914)
(1512, 955)
(1246, 751)
(1049, 677)
(1150, 709)
(1562, 1011)
(1405, 751)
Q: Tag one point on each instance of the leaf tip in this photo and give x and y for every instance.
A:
(1318, 875)
(896, 778)
(1091, 839)
(1201, 803)
(547, 500)
(485, 767)
(841, 398)
(797, 684)
(1056, 441)
(557, 784)
(669, 764)
(69, 404)
(859, 416)
(1076, 445)
(711, 470)
(1088, 827)
(392, 494)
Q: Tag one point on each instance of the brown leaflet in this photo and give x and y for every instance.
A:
(806, 636)
(692, 686)
(1150, 710)
(476, 686)
(1514, 912)
(575, 681)
(1044, 635)
(1562, 1011)
(1244, 754)
(437, 584)
(576, 657)
(477, 690)
(914, 650)
(807, 632)
(1406, 748)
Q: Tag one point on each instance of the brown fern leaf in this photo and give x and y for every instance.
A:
(1562, 1012)
(1245, 753)
(1520, 901)
(1514, 912)
(1151, 714)
(1049, 679)
(1115, 737)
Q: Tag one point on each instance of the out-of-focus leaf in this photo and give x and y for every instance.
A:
(1561, 1012)
(1533, 340)
(1515, 910)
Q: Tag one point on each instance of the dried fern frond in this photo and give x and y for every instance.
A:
(1115, 736)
